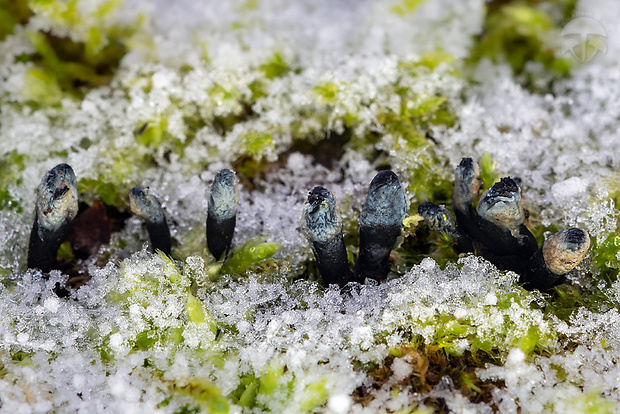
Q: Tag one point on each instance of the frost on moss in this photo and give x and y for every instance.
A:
(11, 164)
(12, 13)
(525, 33)
(245, 336)
(74, 50)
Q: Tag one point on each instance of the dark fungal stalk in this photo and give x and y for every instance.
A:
(222, 213)
(380, 225)
(441, 220)
(560, 254)
(146, 206)
(322, 226)
(507, 241)
(498, 233)
(466, 188)
(55, 208)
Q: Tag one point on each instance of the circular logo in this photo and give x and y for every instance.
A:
(583, 38)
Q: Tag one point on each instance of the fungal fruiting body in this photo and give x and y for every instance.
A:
(440, 219)
(55, 208)
(498, 233)
(322, 226)
(560, 254)
(380, 225)
(222, 213)
(507, 242)
(146, 206)
(466, 188)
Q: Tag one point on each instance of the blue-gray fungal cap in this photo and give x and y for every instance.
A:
(224, 195)
(565, 250)
(466, 184)
(386, 203)
(57, 198)
(439, 217)
(501, 204)
(145, 205)
(320, 220)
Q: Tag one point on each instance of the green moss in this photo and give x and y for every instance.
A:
(315, 395)
(66, 66)
(106, 354)
(144, 341)
(251, 253)
(65, 253)
(205, 393)
(430, 60)
(245, 394)
(591, 403)
(12, 13)
(568, 299)
(250, 5)
(530, 341)
(146, 289)
(405, 7)
(606, 256)
(197, 314)
(517, 32)
(275, 67)
(194, 243)
(11, 165)
(42, 87)
(106, 191)
(153, 133)
(251, 387)
(256, 143)
(327, 92)
(430, 180)
(270, 379)
(22, 358)
(487, 170)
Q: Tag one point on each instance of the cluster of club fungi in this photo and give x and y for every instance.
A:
(57, 205)
(496, 230)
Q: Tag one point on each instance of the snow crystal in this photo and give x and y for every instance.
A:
(129, 339)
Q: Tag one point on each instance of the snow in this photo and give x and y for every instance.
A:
(126, 341)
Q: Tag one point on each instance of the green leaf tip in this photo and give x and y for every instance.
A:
(487, 170)
(253, 251)
(205, 393)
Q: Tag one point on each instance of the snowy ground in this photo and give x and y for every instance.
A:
(146, 334)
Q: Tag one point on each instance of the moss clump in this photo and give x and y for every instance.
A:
(11, 164)
(74, 54)
(406, 7)
(488, 175)
(606, 256)
(13, 13)
(252, 252)
(208, 397)
(106, 191)
(605, 249)
(429, 365)
(520, 32)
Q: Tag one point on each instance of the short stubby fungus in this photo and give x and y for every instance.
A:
(222, 213)
(55, 208)
(146, 206)
(560, 254)
(496, 230)
(322, 225)
(380, 226)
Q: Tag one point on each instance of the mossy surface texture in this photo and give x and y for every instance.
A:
(291, 96)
